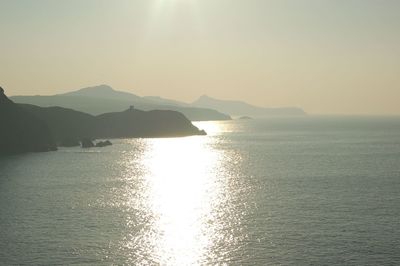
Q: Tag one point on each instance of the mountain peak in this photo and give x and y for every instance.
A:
(102, 88)
(103, 92)
(204, 96)
(3, 98)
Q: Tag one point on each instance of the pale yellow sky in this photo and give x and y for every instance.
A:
(328, 57)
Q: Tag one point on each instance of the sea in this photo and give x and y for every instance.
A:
(312, 190)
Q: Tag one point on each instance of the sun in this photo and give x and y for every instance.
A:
(166, 13)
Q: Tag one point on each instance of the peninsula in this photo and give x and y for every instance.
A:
(30, 128)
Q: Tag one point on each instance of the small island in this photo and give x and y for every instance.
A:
(103, 143)
(245, 117)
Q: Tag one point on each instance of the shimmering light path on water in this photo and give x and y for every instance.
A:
(184, 194)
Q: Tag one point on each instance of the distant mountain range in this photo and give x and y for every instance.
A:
(102, 99)
(242, 108)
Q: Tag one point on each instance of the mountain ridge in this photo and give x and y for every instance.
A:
(235, 107)
(103, 99)
(101, 91)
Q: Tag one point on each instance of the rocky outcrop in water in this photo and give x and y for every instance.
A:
(69, 142)
(87, 143)
(103, 143)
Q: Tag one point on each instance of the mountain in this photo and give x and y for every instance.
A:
(242, 108)
(64, 124)
(136, 123)
(163, 101)
(103, 92)
(103, 99)
(68, 125)
(21, 131)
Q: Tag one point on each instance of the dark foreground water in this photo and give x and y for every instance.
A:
(289, 191)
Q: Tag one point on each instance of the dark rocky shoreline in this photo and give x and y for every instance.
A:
(30, 128)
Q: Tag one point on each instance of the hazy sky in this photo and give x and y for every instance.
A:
(338, 56)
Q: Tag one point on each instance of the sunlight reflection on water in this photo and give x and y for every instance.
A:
(180, 197)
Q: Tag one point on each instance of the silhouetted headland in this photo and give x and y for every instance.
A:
(21, 131)
(137, 123)
(27, 128)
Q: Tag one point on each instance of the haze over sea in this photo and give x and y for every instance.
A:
(313, 190)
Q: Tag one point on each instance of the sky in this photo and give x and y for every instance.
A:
(328, 57)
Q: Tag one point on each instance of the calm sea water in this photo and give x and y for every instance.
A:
(279, 191)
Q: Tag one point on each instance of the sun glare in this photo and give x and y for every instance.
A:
(181, 193)
(164, 12)
(182, 187)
